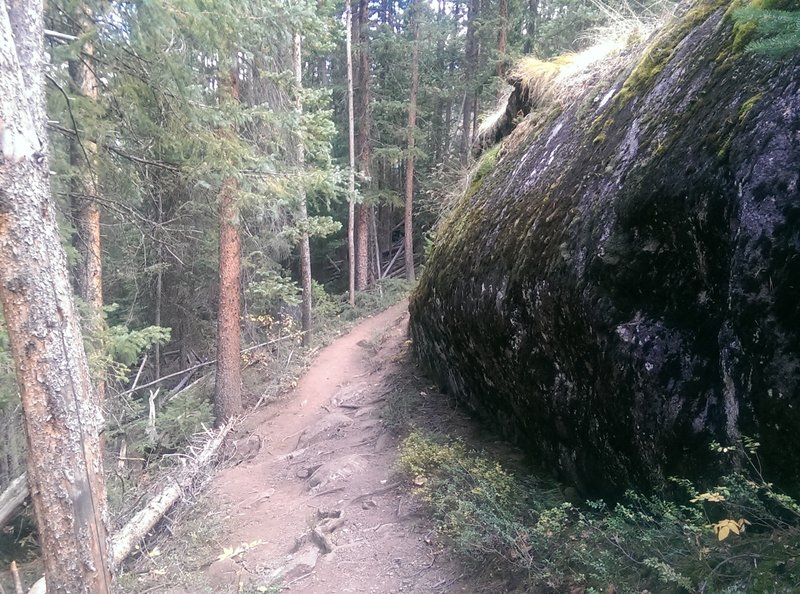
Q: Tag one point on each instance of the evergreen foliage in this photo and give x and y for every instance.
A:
(778, 31)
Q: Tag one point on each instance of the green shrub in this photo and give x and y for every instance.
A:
(741, 536)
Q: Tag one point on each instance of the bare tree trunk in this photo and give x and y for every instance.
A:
(352, 148)
(412, 124)
(470, 68)
(502, 38)
(159, 282)
(531, 25)
(364, 147)
(85, 211)
(305, 248)
(228, 388)
(362, 247)
(323, 76)
(62, 419)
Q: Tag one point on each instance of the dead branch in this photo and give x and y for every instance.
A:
(13, 497)
(140, 524)
(206, 363)
(58, 35)
(137, 528)
(17, 581)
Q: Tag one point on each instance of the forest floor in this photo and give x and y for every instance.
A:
(309, 500)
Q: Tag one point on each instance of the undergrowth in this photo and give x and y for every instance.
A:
(741, 536)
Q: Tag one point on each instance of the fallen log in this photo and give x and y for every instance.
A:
(13, 497)
(130, 535)
(137, 528)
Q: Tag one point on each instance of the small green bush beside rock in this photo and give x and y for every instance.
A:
(739, 536)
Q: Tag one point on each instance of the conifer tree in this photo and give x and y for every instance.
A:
(63, 421)
(351, 191)
(412, 125)
(305, 249)
(778, 30)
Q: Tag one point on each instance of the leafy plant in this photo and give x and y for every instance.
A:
(740, 536)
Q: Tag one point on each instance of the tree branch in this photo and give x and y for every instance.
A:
(141, 160)
(59, 36)
(206, 363)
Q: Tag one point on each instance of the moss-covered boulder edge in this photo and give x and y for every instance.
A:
(623, 287)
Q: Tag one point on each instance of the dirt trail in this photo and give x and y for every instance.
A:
(318, 509)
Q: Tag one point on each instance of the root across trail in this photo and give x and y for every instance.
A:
(310, 501)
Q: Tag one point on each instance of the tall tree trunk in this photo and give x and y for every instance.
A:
(531, 25)
(228, 388)
(362, 247)
(351, 188)
(88, 273)
(322, 62)
(452, 100)
(305, 249)
(470, 69)
(412, 125)
(159, 280)
(502, 38)
(62, 419)
(438, 130)
(364, 148)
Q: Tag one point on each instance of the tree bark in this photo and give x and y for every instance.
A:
(531, 24)
(352, 156)
(159, 281)
(62, 420)
(363, 144)
(88, 273)
(228, 388)
(362, 247)
(502, 38)
(305, 248)
(470, 68)
(412, 125)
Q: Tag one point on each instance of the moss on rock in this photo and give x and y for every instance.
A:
(615, 292)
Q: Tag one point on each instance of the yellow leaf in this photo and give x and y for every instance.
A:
(723, 532)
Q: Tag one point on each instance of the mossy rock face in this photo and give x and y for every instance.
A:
(615, 306)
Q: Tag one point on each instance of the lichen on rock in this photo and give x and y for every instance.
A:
(621, 289)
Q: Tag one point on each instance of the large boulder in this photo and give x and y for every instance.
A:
(620, 288)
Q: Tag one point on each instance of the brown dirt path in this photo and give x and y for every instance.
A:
(318, 509)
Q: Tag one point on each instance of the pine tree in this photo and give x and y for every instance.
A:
(412, 130)
(63, 421)
(351, 191)
(305, 249)
(778, 30)
(363, 120)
